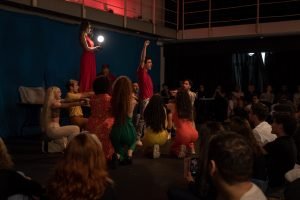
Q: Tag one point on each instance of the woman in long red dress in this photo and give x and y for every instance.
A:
(88, 59)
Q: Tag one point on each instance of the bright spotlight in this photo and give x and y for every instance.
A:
(250, 54)
(100, 38)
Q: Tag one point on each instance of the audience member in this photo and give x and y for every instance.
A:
(82, 173)
(259, 174)
(262, 130)
(230, 160)
(224, 172)
(13, 182)
(105, 71)
(282, 152)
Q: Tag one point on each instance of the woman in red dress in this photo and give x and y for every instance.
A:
(101, 120)
(88, 59)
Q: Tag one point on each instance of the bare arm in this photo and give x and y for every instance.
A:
(87, 94)
(171, 107)
(85, 45)
(63, 104)
(144, 53)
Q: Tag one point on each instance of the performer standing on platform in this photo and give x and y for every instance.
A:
(146, 87)
(88, 60)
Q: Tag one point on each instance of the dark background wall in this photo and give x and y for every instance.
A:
(37, 51)
(214, 61)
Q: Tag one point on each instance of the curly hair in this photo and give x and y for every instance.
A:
(121, 98)
(82, 173)
(101, 85)
(5, 159)
(233, 156)
(184, 105)
(155, 114)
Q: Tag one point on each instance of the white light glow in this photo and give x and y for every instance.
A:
(263, 55)
(100, 38)
(250, 54)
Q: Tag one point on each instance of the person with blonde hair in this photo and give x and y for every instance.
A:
(50, 119)
(82, 173)
(14, 183)
(123, 133)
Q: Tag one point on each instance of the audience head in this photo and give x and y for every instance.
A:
(242, 127)
(251, 88)
(82, 173)
(101, 85)
(121, 98)
(135, 87)
(184, 105)
(105, 70)
(165, 86)
(230, 158)
(201, 88)
(214, 127)
(155, 114)
(269, 88)
(284, 106)
(284, 124)
(258, 112)
(5, 159)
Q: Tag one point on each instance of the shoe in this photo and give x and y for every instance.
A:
(114, 161)
(126, 161)
(169, 136)
(156, 152)
(182, 151)
(129, 160)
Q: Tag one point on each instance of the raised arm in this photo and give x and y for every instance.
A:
(143, 54)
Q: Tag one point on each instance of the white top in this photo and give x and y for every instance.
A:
(263, 133)
(192, 96)
(254, 194)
